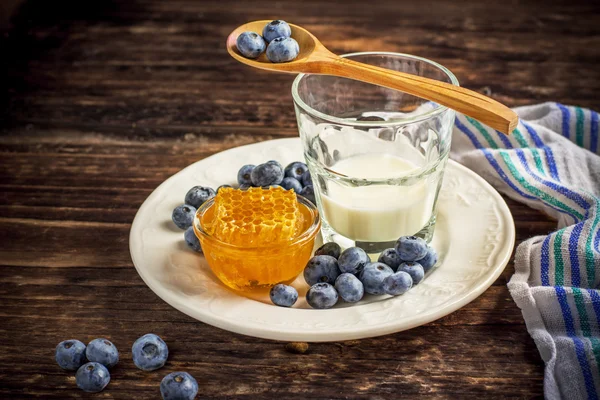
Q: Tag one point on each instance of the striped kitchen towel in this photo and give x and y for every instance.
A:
(551, 163)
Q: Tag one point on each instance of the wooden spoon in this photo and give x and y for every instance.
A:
(314, 58)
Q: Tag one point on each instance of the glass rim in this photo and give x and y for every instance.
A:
(375, 124)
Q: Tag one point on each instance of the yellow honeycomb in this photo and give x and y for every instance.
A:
(256, 217)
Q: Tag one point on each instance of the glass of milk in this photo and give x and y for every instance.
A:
(376, 155)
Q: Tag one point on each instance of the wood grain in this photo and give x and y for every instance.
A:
(100, 101)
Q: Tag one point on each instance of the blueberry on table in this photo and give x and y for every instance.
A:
(430, 259)
(250, 44)
(373, 276)
(411, 248)
(283, 295)
(397, 283)
(321, 269)
(178, 386)
(282, 50)
(309, 192)
(92, 377)
(149, 352)
(276, 29)
(244, 176)
(192, 240)
(183, 216)
(70, 354)
(296, 170)
(197, 195)
(267, 174)
(321, 296)
(353, 260)
(102, 351)
(329, 249)
(291, 183)
(390, 258)
(414, 269)
(349, 287)
(306, 179)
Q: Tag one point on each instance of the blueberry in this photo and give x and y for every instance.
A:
(295, 170)
(390, 258)
(291, 183)
(275, 29)
(222, 187)
(329, 249)
(309, 193)
(283, 295)
(178, 386)
(429, 260)
(244, 176)
(282, 50)
(192, 240)
(414, 269)
(183, 216)
(102, 351)
(306, 179)
(267, 174)
(411, 248)
(92, 377)
(322, 295)
(149, 352)
(353, 260)
(250, 44)
(70, 354)
(197, 195)
(349, 287)
(321, 269)
(397, 283)
(373, 276)
(245, 186)
(274, 162)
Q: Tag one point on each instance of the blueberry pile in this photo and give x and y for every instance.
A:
(183, 215)
(333, 274)
(93, 361)
(276, 39)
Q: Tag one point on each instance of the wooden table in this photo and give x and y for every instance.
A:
(103, 100)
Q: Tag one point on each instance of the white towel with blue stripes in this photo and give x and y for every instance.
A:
(551, 162)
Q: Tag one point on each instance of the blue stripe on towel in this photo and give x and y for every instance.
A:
(566, 120)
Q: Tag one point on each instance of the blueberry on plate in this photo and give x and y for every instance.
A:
(411, 248)
(197, 195)
(282, 50)
(244, 176)
(149, 352)
(390, 258)
(275, 162)
(92, 377)
(322, 295)
(295, 170)
(267, 174)
(291, 183)
(329, 249)
(349, 287)
(306, 179)
(321, 269)
(245, 187)
(223, 186)
(183, 216)
(309, 193)
(430, 259)
(70, 354)
(373, 276)
(250, 44)
(178, 386)
(414, 269)
(397, 283)
(276, 29)
(353, 260)
(192, 240)
(102, 351)
(283, 295)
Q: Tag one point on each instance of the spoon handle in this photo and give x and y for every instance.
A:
(468, 102)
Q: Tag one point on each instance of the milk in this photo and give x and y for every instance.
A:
(377, 213)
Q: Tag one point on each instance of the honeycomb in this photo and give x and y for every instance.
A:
(256, 217)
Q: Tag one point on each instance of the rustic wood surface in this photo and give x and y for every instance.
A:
(100, 101)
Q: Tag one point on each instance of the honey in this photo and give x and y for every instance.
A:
(256, 238)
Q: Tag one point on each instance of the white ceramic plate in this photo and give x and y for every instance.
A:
(474, 235)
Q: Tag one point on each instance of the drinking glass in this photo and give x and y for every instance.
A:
(376, 155)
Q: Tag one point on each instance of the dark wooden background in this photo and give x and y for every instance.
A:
(100, 101)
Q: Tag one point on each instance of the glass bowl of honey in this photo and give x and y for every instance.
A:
(257, 238)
